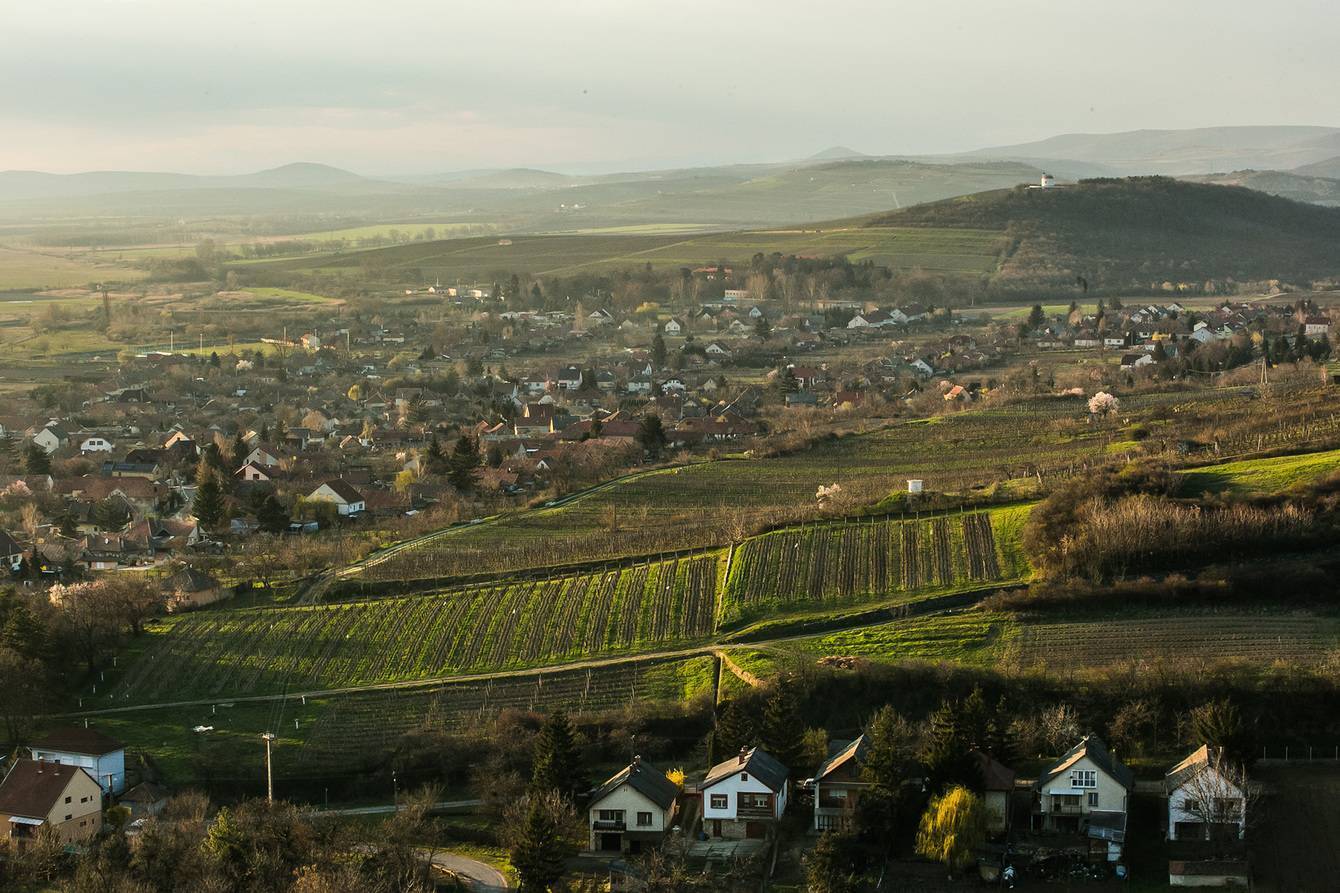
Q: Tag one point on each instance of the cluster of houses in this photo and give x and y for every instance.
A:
(1140, 331)
(1079, 803)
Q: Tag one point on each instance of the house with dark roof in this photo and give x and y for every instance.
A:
(101, 755)
(11, 553)
(838, 785)
(997, 786)
(190, 588)
(632, 809)
(347, 499)
(1205, 797)
(1086, 793)
(36, 794)
(744, 796)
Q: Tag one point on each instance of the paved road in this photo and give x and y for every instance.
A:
(476, 874)
(443, 806)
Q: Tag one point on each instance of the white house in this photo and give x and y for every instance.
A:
(570, 378)
(1204, 774)
(102, 756)
(921, 367)
(744, 796)
(1086, 792)
(718, 350)
(874, 319)
(252, 472)
(347, 500)
(51, 438)
(673, 326)
(263, 456)
(635, 806)
(734, 295)
(95, 444)
(11, 553)
(1136, 360)
(1317, 327)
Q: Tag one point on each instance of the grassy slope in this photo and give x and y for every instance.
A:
(1257, 477)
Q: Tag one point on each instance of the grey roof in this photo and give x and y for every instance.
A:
(850, 750)
(1090, 746)
(1195, 762)
(74, 739)
(644, 778)
(757, 762)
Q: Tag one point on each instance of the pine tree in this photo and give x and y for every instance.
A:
(239, 450)
(783, 729)
(539, 852)
(463, 462)
(557, 765)
(946, 754)
(36, 460)
(651, 435)
(736, 727)
(658, 351)
(209, 508)
(437, 458)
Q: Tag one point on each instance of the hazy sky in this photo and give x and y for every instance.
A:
(395, 86)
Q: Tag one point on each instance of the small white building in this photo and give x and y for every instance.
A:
(347, 499)
(633, 808)
(51, 438)
(745, 796)
(102, 756)
(95, 444)
(915, 485)
(1202, 794)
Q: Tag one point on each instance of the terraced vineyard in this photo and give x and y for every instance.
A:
(353, 725)
(493, 627)
(866, 560)
(1177, 638)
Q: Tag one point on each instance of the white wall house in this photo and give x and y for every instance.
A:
(96, 445)
(1086, 792)
(633, 808)
(102, 756)
(51, 438)
(347, 500)
(744, 796)
(1201, 788)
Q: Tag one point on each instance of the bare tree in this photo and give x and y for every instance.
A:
(1216, 793)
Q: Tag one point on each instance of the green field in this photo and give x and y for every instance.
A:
(484, 628)
(33, 268)
(1259, 477)
(333, 732)
(834, 564)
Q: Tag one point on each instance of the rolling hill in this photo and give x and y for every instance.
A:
(1136, 234)
(1176, 152)
(1317, 190)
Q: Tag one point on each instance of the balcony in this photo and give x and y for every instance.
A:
(754, 812)
(1058, 809)
(607, 825)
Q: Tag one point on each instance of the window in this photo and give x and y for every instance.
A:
(1084, 778)
(644, 820)
(611, 815)
(68, 799)
(83, 799)
(744, 776)
(1093, 798)
(68, 817)
(721, 801)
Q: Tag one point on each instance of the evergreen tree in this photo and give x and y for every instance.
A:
(539, 851)
(436, 458)
(36, 460)
(835, 865)
(463, 462)
(239, 453)
(209, 507)
(557, 764)
(658, 351)
(762, 329)
(887, 809)
(8, 452)
(271, 514)
(1036, 317)
(651, 435)
(736, 727)
(782, 733)
(946, 753)
(495, 456)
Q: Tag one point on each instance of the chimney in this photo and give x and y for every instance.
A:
(744, 752)
(637, 759)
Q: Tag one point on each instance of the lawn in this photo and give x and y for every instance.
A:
(1259, 477)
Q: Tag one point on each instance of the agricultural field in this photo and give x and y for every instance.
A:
(1259, 477)
(842, 563)
(971, 637)
(485, 628)
(1186, 638)
(31, 268)
(713, 503)
(322, 737)
(963, 251)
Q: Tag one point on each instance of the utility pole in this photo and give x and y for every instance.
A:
(269, 778)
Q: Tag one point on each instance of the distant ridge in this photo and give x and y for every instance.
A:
(837, 153)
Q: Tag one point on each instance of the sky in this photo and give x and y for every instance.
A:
(395, 87)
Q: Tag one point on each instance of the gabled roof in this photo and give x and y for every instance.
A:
(74, 739)
(852, 751)
(1197, 761)
(644, 778)
(996, 776)
(344, 490)
(188, 579)
(9, 545)
(32, 787)
(757, 762)
(1090, 746)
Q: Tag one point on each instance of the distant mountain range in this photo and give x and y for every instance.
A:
(1297, 162)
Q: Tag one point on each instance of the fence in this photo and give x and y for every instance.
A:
(1300, 753)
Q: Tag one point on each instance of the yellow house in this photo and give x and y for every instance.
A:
(37, 794)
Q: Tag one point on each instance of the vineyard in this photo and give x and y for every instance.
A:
(484, 628)
(819, 564)
(323, 737)
(1177, 638)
